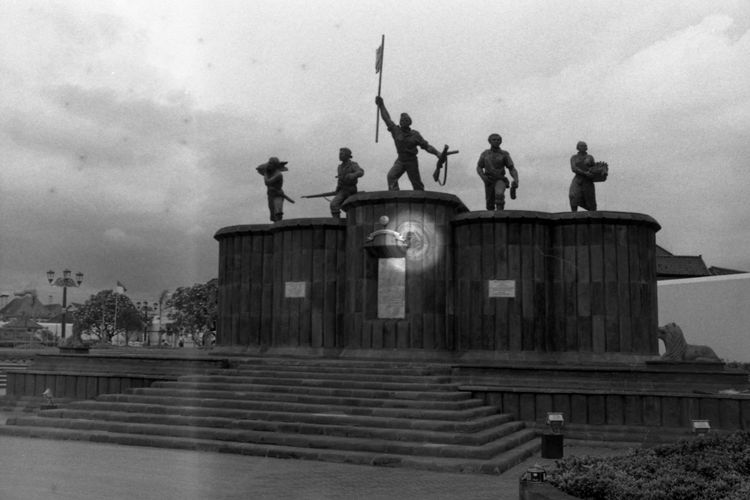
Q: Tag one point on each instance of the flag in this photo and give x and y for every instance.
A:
(379, 59)
(120, 288)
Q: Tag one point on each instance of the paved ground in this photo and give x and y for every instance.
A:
(40, 469)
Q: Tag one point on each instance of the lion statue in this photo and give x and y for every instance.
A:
(677, 349)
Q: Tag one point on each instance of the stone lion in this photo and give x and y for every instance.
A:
(677, 349)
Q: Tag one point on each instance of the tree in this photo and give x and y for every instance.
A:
(97, 315)
(194, 310)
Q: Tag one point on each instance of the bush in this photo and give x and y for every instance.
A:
(710, 467)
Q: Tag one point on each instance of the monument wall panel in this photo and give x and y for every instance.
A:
(481, 283)
(279, 284)
(422, 219)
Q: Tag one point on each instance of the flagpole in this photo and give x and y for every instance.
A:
(380, 84)
(114, 321)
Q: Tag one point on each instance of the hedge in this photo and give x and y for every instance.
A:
(706, 467)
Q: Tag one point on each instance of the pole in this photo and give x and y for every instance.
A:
(64, 310)
(114, 321)
(380, 84)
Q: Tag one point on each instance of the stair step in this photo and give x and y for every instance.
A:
(187, 392)
(208, 382)
(339, 418)
(348, 365)
(495, 465)
(481, 451)
(327, 428)
(307, 373)
(338, 382)
(303, 408)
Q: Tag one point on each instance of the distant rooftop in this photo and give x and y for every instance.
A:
(670, 266)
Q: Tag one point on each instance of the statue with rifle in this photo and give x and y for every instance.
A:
(274, 180)
(348, 175)
(442, 163)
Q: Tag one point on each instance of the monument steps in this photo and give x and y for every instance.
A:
(361, 430)
(343, 382)
(191, 390)
(494, 465)
(345, 364)
(450, 426)
(364, 376)
(207, 382)
(261, 405)
(351, 413)
(485, 450)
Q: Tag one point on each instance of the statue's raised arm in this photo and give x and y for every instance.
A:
(384, 113)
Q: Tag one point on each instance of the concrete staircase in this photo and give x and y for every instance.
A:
(362, 412)
(10, 364)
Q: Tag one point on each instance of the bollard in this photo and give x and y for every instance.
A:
(552, 445)
(533, 476)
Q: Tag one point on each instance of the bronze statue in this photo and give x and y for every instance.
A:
(272, 176)
(406, 140)
(348, 174)
(582, 192)
(676, 347)
(491, 168)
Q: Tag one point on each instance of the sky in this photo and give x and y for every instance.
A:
(130, 130)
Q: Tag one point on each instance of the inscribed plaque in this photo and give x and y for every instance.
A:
(501, 289)
(295, 290)
(392, 288)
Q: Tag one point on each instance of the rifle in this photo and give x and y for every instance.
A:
(442, 162)
(320, 195)
(287, 198)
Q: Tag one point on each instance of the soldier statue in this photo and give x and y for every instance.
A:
(348, 174)
(491, 168)
(406, 140)
(274, 180)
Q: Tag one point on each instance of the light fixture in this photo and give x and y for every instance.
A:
(534, 474)
(700, 426)
(556, 421)
(50, 276)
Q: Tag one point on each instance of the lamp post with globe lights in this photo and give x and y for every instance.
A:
(148, 312)
(65, 281)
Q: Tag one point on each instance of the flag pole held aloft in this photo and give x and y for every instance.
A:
(379, 71)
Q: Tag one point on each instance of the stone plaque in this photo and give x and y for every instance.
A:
(295, 290)
(392, 288)
(501, 289)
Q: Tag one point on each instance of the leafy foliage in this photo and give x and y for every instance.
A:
(711, 467)
(194, 309)
(97, 315)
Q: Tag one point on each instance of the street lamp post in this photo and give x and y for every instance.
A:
(65, 281)
(147, 312)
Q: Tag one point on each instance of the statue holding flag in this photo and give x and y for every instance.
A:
(406, 140)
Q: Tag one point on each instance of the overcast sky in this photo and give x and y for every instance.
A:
(130, 130)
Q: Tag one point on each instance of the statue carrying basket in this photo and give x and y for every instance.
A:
(599, 171)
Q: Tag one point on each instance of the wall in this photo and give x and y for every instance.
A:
(713, 311)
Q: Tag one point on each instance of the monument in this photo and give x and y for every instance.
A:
(536, 312)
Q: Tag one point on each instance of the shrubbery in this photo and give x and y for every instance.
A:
(702, 468)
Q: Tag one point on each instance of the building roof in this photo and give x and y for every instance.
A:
(29, 306)
(671, 266)
(681, 266)
(22, 324)
(721, 271)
